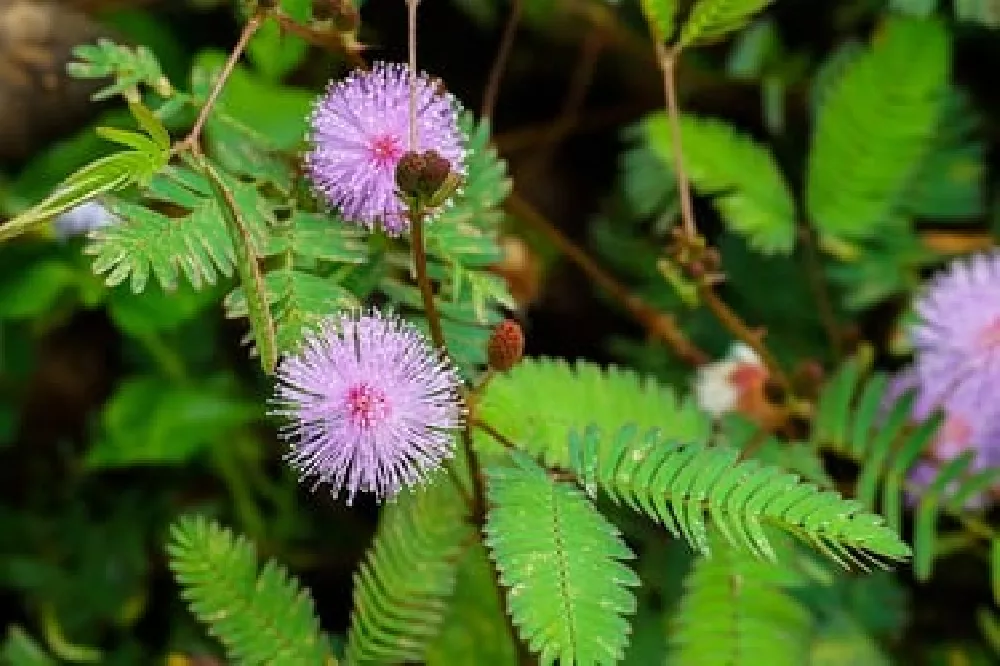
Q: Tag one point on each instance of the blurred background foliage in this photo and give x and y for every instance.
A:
(119, 413)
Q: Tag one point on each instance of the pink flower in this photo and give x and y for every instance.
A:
(360, 129)
(372, 407)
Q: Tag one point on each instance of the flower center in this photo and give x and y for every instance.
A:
(366, 406)
(385, 150)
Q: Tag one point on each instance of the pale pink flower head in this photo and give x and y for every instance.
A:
(359, 130)
(957, 339)
(965, 427)
(371, 406)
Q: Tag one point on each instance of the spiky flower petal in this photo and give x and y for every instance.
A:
(956, 368)
(372, 407)
(957, 341)
(361, 128)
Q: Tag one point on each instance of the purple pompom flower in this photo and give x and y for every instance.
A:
(361, 128)
(372, 407)
(957, 340)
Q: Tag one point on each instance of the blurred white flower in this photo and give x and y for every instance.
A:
(82, 219)
(719, 387)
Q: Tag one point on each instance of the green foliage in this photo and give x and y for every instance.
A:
(275, 53)
(984, 12)
(261, 617)
(660, 14)
(561, 562)
(739, 610)
(475, 629)
(251, 277)
(679, 484)
(20, 649)
(919, 8)
(117, 171)
(862, 420)
(403, 588)
(740, 175)
(949, 184)
(132, 399)
(711, 20)
(147, 423)
(240, 119)
(884, 266)
(129, 67)
(195, 243)
(540, 402)
(876, 122)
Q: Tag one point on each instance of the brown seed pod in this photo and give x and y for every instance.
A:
(506, 345)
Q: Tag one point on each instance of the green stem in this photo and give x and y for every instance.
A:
(423, 280)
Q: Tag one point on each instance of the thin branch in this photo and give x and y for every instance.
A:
(411, 27)
(726, 316)
(333, 41)
(500, 61)
(496, 435)
(467, 499)
(192, 140)
(668, 65)
(583, 75)
(423, 280)
(535, 135)
(739, 329)
(821, 290)
(658, 323)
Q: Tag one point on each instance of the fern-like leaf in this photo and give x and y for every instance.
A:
(298, 300)
(403, 587)
(740, 175)
(738, 611)
(467, 230)
(540, 402)
(129, 67)
(684, 484)
(874, 125)
(196, 244)
(858, 418)
(261, 617)
(150, 153)
(568, 591)
(711, 20)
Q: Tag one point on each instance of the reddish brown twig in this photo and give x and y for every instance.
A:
(658, 323)
(500, 61)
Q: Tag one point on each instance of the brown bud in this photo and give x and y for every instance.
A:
(437, 83)
(696, 270)
(409, 173)
(506, 345)
(434, 173)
